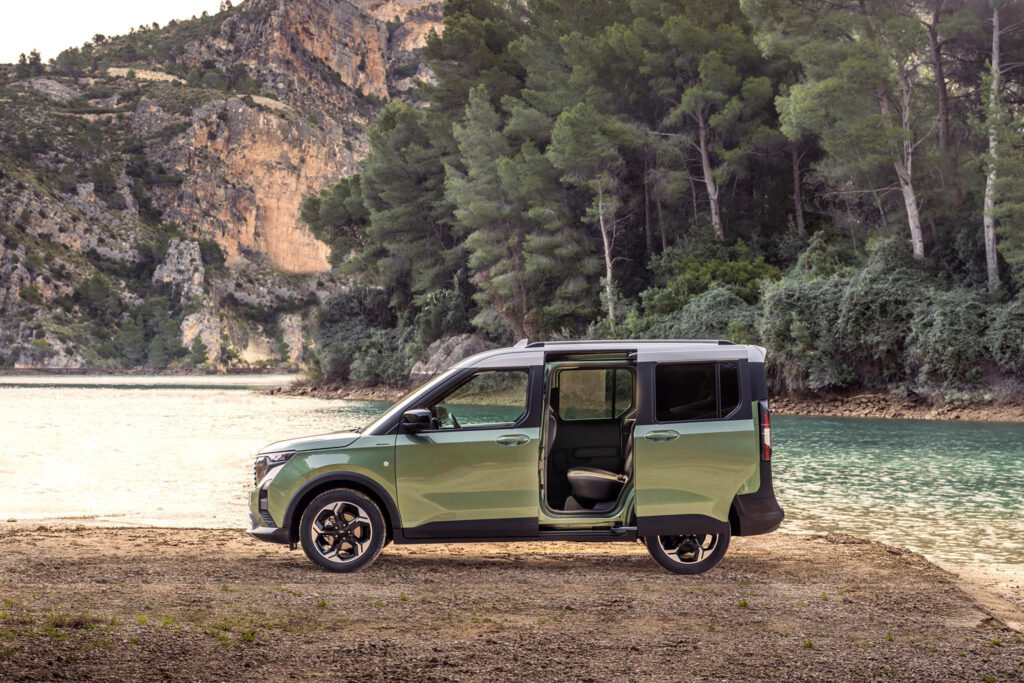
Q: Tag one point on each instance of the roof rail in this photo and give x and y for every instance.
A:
(541, 344)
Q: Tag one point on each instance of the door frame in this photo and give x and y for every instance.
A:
(520, 527)
(686, 522)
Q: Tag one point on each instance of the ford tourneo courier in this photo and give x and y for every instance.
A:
(663, 442)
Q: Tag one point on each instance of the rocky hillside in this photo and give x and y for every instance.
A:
(150, 183)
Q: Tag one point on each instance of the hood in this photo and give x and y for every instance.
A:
(312, 443)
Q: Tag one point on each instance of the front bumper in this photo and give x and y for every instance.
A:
(270, 534)
(759, 513)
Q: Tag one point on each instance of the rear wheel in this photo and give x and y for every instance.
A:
(688, 553)
(342, 530)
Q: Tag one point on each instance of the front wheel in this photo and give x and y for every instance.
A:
(342, 530)
(688, 553)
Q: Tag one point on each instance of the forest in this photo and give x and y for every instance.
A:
(840, 182)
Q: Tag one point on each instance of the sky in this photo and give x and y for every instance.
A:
(50, 26)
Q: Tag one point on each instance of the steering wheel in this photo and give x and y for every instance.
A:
(440, 413)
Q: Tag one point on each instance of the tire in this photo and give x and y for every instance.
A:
(342, 530)
(680, 554)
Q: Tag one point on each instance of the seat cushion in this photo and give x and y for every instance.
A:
(590, 484)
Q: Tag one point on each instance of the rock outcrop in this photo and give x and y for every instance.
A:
(444, 353)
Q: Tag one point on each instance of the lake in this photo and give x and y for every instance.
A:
(178, 451)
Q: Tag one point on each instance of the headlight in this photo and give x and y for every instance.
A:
(266, 463)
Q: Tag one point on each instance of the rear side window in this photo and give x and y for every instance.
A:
(695, 391)
(594, 393)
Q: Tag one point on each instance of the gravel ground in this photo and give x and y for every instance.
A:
(140, 603)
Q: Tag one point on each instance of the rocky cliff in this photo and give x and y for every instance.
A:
(158, 176)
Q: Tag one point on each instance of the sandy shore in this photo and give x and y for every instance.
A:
(149, 603)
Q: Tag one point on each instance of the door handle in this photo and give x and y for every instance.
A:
(663, 435)
(512, 439)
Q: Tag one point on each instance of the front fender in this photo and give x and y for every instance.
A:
(305, 491)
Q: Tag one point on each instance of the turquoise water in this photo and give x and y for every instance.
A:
(952, 490)
(178, 451)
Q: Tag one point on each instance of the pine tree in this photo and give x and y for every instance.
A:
(412, 247)
(198, 351)
(586, 146)
(861, 90)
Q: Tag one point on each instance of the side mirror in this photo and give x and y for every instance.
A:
(416, 420)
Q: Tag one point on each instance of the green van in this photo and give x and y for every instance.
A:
(665, 442)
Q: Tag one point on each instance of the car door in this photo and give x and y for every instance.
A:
(695, 442)
(474, 472)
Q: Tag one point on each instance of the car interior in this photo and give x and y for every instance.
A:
(588, 437)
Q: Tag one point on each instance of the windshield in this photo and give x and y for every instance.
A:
(407, 399)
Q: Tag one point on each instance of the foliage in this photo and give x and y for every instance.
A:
(691, 275)
(946, 336)
(1004, 338)
(716, 313)
(359, 340)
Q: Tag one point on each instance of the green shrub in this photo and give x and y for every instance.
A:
(1005, 336)
(946, 337)
(442, 312)
(799, 324)
(356, 332)
(693, 274)
(708, 316)
(877, 307)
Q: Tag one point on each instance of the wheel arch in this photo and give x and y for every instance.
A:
(340, 480)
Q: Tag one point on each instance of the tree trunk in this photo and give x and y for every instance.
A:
(798, 203)
(988, 211)
(948, 162)
(648, 228)
(904, 163)
(606, 239)
(709, 181)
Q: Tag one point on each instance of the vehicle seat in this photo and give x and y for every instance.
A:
(591, 485)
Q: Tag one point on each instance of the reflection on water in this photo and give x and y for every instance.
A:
(950, 490)
(179, 450)
(159, 450)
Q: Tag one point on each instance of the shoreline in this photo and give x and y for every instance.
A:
(856, 404)
(863, 404)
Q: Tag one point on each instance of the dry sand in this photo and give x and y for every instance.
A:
(144, 603)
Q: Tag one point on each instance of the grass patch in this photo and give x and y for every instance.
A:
(808, 644)
(743, 603)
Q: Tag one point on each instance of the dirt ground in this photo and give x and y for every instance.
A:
(141, 603)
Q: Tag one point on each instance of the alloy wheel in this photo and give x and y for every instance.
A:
(688, 549)
(341, 532)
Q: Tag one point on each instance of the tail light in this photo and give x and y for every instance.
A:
(765, 416)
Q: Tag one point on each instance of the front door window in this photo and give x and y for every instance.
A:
(493, 398)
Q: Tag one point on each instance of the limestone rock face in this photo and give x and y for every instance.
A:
(183, 267)
(58, 92)
(246, 172)
(444, 353)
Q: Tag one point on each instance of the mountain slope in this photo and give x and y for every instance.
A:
(150, 183)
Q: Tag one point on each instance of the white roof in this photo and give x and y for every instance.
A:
(653, 350)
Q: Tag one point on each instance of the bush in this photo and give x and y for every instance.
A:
(211, 253)
(1005, 336)
(693, 275)
(945, 340)
(708, 316)
(876, 310)
(442, 312)
(358, 339)
(799, 324)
